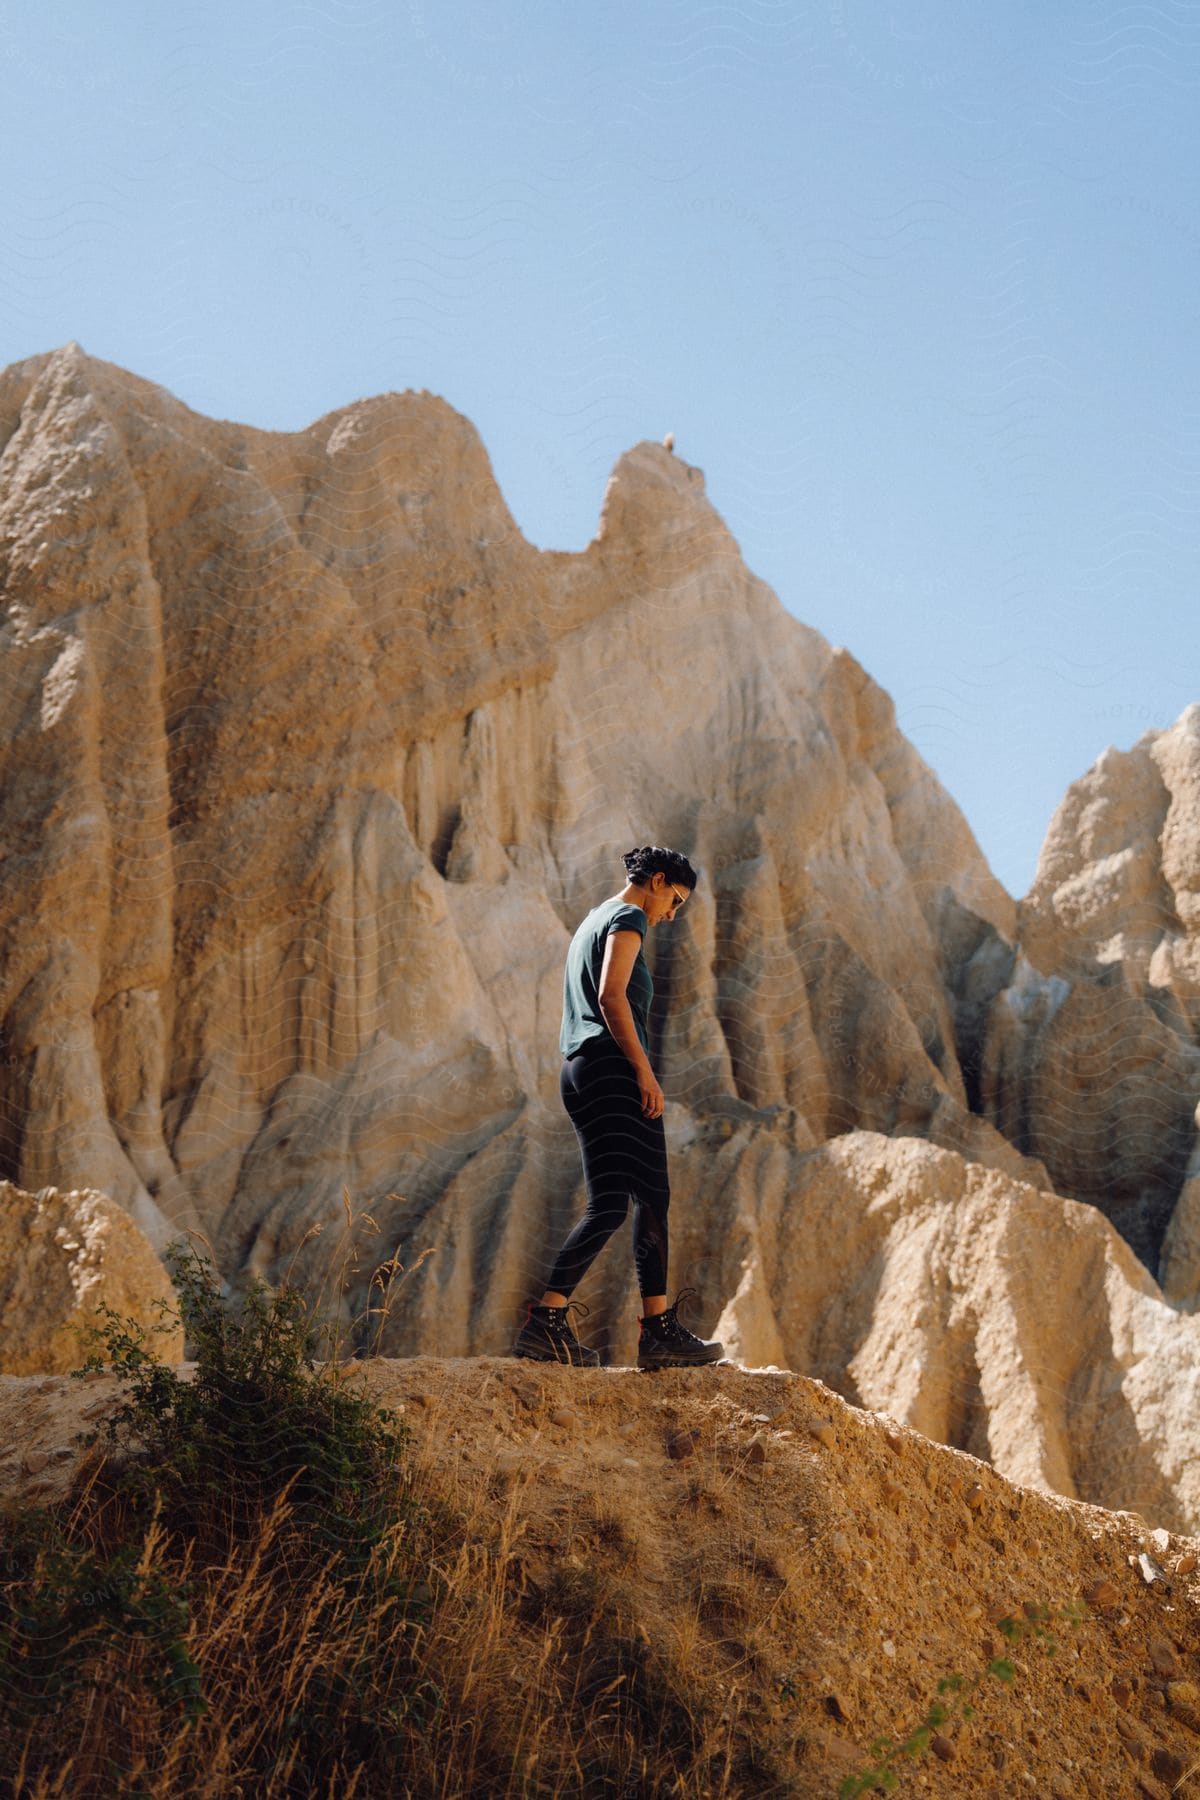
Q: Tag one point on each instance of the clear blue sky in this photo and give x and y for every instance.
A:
(915, 286)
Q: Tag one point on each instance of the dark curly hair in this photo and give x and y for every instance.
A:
(641, 864)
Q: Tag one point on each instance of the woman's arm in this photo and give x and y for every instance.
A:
(620, 954)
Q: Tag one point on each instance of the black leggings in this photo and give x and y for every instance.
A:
(624, 1154)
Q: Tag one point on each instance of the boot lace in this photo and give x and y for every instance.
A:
(671, 1327)
(555, 1320)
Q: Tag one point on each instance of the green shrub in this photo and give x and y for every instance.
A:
(93, 1600)
(257, 1419)
(62, 1608)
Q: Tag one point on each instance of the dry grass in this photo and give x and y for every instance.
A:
(221, 1644)
(503, 1686)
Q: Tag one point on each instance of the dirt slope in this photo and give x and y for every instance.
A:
(812, 1568)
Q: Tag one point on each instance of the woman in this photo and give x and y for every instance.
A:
(616, 1105)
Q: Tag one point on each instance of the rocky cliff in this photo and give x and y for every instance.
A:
(309, 766)
(313, 764)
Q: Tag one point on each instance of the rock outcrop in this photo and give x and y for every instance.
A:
(309, 767)
(1003, 1320)
(313, 765)
(63, 1256)
(1090, 1058)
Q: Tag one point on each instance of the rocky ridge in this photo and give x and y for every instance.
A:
(816, 1569)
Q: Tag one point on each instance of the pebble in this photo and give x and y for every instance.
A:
(839, 1543)
(841, 1706)
(974, 1496)
(1161, 1540)
(1101, 1594)
(1163, 1659)
(824, 1433)
(1151, 1571)
(562, 1415)
(1167, 1765)
(626, 1428)
(889, 1648)
(1186, 1563)
(941, 1746)
(682, 1445)
(34, 1461)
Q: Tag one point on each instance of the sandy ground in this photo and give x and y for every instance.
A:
(817, 1566)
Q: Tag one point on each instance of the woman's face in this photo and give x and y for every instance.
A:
(666, 898)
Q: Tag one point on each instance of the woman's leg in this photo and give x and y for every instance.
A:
(624, 1154)
(651, 1199)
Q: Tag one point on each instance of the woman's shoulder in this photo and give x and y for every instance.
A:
(616, 908)
(627, 917)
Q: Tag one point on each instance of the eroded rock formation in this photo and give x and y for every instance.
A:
(313, 764)
(1090, 1058)
(310, 766)
(1006, 1321)
(63, 1256)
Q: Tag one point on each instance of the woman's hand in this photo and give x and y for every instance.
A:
(652, 1094)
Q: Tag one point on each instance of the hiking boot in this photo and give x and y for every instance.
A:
(546, 1336)
(666, 1344)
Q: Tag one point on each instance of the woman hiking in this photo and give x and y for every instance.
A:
(615, 1104)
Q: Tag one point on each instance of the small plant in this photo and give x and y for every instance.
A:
(262, 1453)
(63, 1607)
(882, 1776)
(257, 1418)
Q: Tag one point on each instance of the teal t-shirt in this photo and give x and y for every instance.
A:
(581, 1016)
